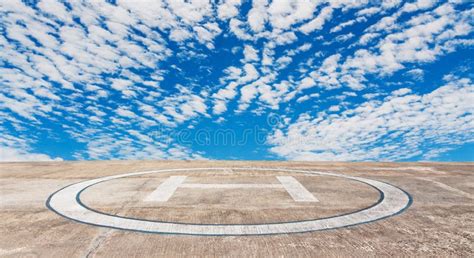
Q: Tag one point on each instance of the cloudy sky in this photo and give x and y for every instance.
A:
(282, 80)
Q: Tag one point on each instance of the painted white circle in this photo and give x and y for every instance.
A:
(66, 203)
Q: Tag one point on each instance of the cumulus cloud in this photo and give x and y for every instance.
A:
(399, 127)
(103, 73)
(228, 9)
(14, 149)
(250, 54)
(318, 22)
(8, 154)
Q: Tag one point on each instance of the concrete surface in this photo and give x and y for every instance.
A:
(439, 222)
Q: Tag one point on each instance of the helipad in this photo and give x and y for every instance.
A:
(216, 208)
(390, 201)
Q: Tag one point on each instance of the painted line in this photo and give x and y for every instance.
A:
(66, 202)
(229, 186)
(296, 190)
(447, 187)
(166, 189)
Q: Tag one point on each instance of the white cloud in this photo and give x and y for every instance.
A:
(8, 154)
(257, 15)
(416, 74)
(13, 149)
(302, 98)
(236, 27)
(421, 39)
(399, 127)
(191, 12)
(284, 14)
(134, 146)
(250, 54)
(418, 5)
(318, 22)
(401, 92)
(125, 113)
(183, 106)
(180, 35)
(306, 83)
(57, 68)
(251, 74)
(228, 9)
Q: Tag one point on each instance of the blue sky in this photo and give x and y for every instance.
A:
(282, 80)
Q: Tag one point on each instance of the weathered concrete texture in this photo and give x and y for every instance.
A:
(439, 222)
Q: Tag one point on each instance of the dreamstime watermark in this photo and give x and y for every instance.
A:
(229, 137)
(255, 134)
